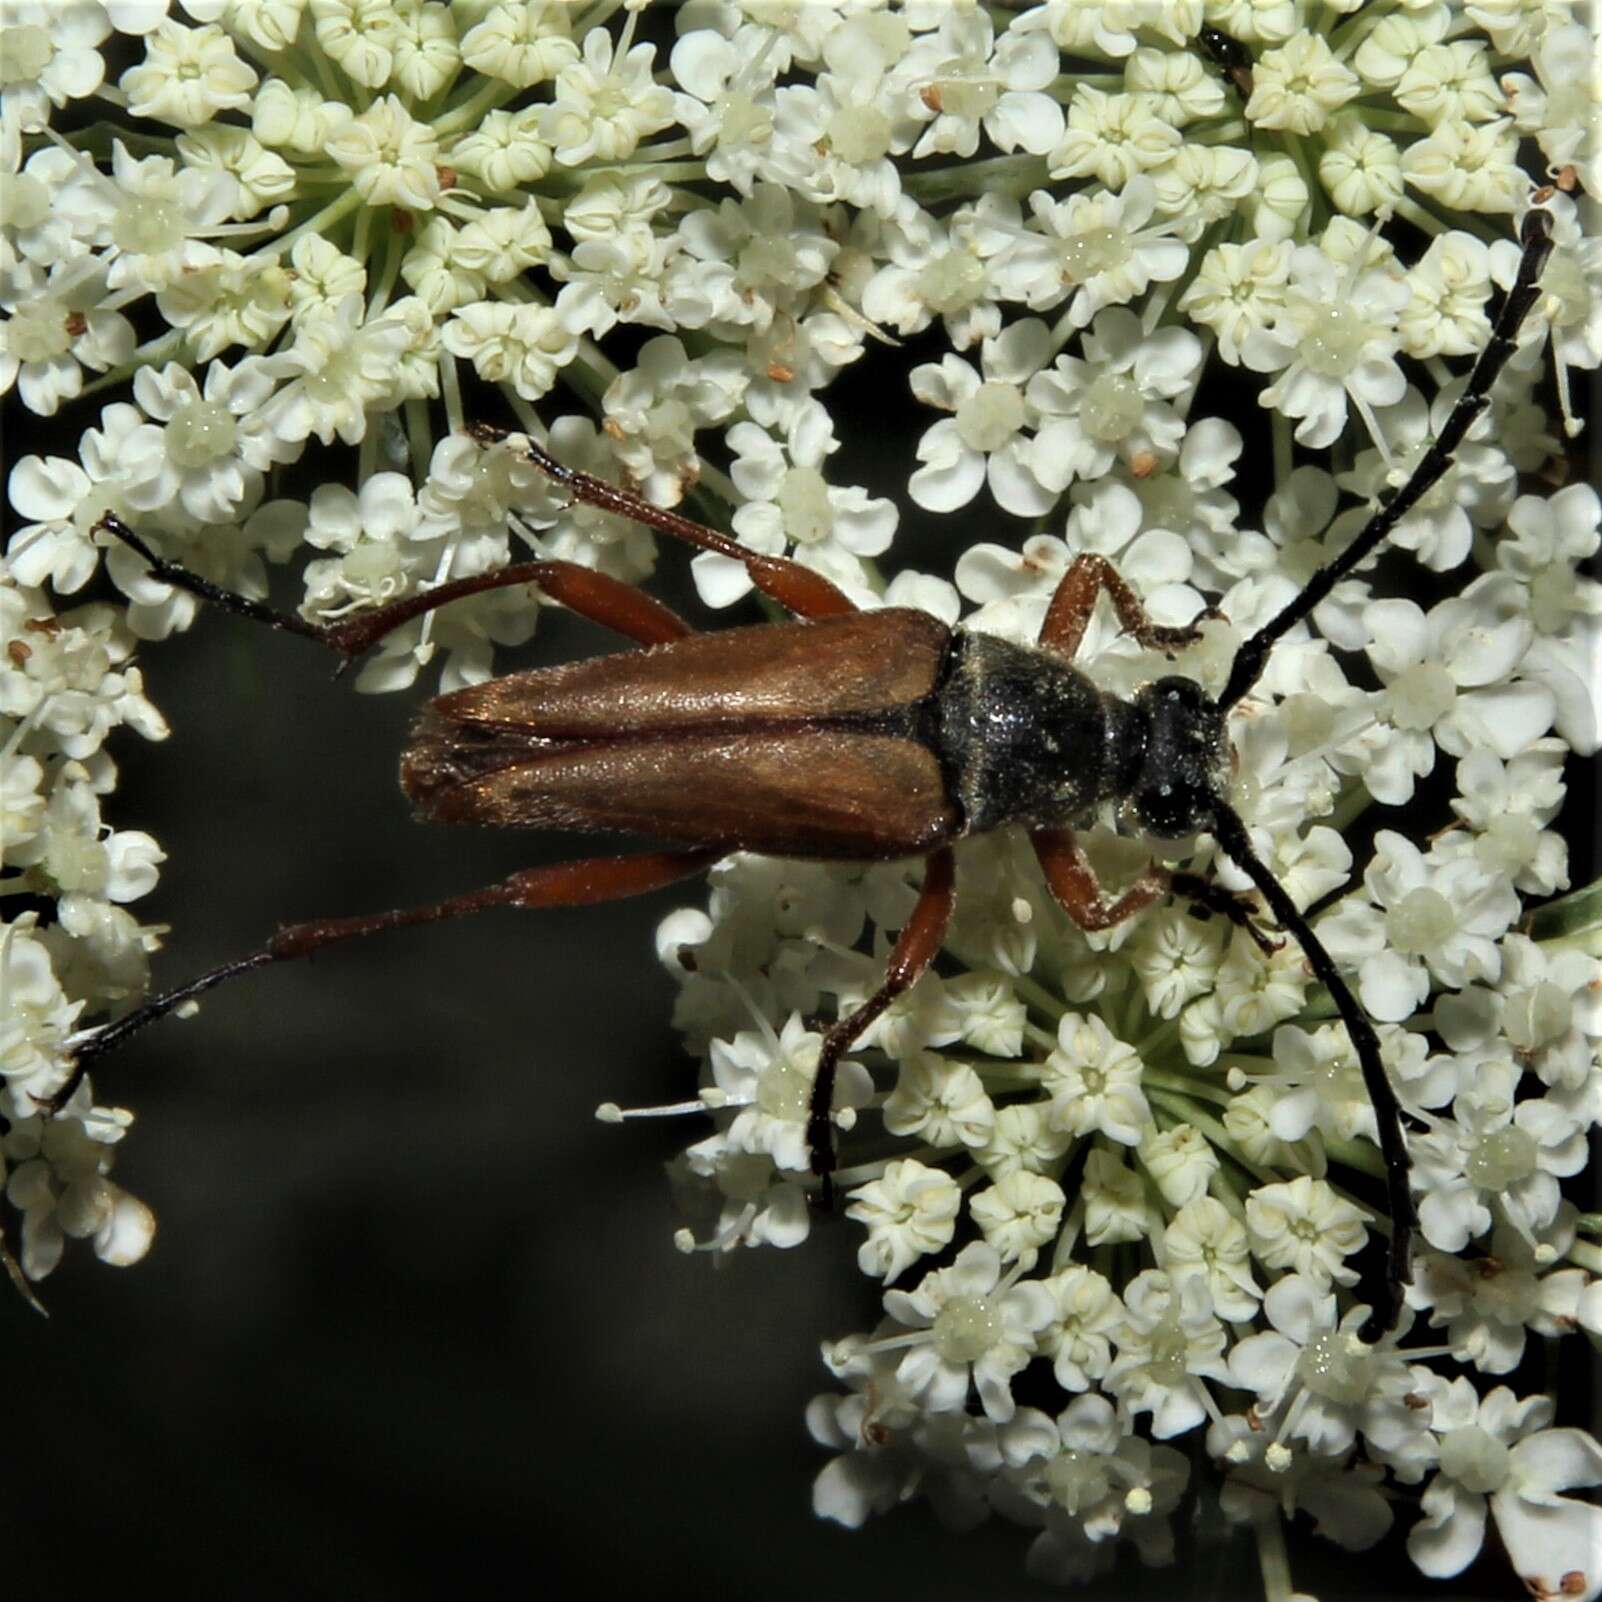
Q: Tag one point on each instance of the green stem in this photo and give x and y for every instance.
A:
(1012, 175)
(1571, 920)
(1272, 1559)
(1587, 1255)
(169, 347)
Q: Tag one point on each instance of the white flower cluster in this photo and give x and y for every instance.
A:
(1120, 1186)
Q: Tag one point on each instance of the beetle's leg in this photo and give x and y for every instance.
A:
(1215, 898)
(561, 884)
(1075, 599)
(608, 601)
(798, 589)
(1073, 882)
(920, 938)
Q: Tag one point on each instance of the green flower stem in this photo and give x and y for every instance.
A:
(1358, 1154)
(1272, 1559)
(1035, 995)
(169, 347)
(1296, 149)
(669, 172)
(419, 436)
(320, 222)
(1587, 1255)
(1284, 458)
(1390, 121)
(469, 112)
(1008, 175)
(1183, 1085)
(1198, 1118)
(1062, 87)
(1472, 222)
(1572, 921)
(1237, 132)
(1352, 804)
(96, 140)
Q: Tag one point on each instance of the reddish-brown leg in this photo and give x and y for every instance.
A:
(1072, 880)
(562, 884)
(607, 601)
(796, 588)
(1075, 599)
(915, 949)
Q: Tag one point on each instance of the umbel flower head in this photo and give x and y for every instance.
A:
(1191, 288)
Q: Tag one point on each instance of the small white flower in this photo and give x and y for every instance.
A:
(1422, 919)
(1360, 168)
(521, 44)
(1492, 1154)
(1101, 249)
(1468, 166)
(606, 102)
(188, 76)
(1206, 1240)
(1019, 1213)
(961, 78)
(1180, 1161)
(791, 509)
(1499, 1448)
(52, 57)
(525, 346)
(1112, 137)
(941, 1102)
(1094, 1081)
(984, 439)
(58, 324)
(972, 1325)
(1451, 82)
(1093, 1481)
(1240, 291)
(727, 101)
(1078, 1339)
(910, 1211)
(768, 1078)
(1297, 86)
(1335, 339)
(1113, 403)
(57, 1182)
(340, 366)
(1170, 1341)
(934, 268)
(390, 158)
(1304, 1226)
(1488, 1305)
(1563, 109)
(1330, 1383)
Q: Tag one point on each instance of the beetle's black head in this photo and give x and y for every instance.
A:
(1187, 761)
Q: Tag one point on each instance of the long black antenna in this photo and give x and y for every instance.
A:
(1231, 834)
(1536, 238)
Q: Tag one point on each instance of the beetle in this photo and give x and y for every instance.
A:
(847, 735)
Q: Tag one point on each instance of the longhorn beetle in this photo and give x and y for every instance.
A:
(846, 735)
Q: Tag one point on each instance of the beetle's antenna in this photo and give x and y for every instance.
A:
(1231, 834)
(1536, 238)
